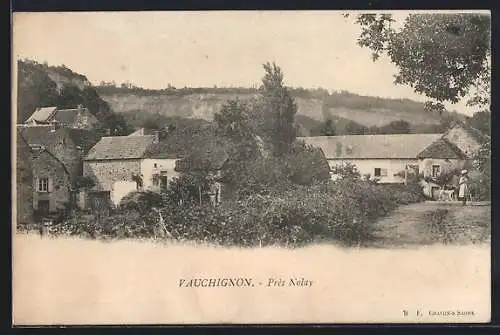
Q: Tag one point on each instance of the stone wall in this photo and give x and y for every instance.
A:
(24, 183)
(463, 140)
(446, 165)
(106, 172)
(65, 150)
(45, 165)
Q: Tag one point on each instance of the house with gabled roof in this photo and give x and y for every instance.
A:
(122, 164)
(57, 157)
(69, 145)
(388, 158)
(78, 118)
(51, 182)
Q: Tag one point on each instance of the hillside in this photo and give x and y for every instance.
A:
(317, 105)
(40, 85)
(126, 107)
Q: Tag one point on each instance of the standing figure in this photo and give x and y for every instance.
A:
(463, 187)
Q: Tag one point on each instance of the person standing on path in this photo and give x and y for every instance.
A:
(463, 187)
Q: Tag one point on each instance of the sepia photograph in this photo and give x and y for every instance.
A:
(251, 167)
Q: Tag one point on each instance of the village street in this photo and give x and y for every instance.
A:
(434, 222)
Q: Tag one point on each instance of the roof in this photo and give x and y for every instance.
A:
(210, 156)
(43, 134)
(372, 146)
(120, 147)
(441, 149)
(39, 151)
(143, 131)
(48, 114)
(42, 114)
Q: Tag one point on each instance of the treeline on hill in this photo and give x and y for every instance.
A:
(37, 89)
(330, 99)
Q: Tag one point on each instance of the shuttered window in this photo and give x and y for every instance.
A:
(379, 172)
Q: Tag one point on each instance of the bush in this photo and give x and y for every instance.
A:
(346, 171)
(342, 211)
(140, 201)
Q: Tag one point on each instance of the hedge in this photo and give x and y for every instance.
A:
(343, 212)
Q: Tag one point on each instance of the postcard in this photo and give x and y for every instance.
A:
(251, 167)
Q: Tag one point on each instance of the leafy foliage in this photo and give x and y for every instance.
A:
(439, 55)
(346, 170)
(141, 201)
(342, 212)
(81, 182)
(37, 89)
(277, 110)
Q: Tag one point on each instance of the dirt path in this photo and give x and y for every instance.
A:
(431, 222)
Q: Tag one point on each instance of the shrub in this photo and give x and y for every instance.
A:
(344, 211)
(140, 201)
(346, 171)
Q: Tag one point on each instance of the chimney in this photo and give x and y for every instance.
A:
(80, 106)
(156, 135)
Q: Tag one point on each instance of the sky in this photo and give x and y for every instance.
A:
(203, 49)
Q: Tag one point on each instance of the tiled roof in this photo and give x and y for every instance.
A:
(67, 116)
(441, 149)
(43, 134)
(42, 114)
(120, 147)
(48, 114)
(372, 146)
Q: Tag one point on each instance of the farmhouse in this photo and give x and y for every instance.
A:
(387, 157)
(69, 145)
(51, 182)
(122, 164)
(78, 118)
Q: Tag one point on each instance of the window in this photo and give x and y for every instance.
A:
(378, 172)
(43, 184)
(436, 170)
(155, 165)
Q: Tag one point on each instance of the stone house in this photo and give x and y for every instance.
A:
(51, 182)
(122, 164)
(69, 145)
(389, 158)
(24, 182)
(76, 118)
(66, 146)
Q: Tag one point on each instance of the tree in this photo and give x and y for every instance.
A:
(278, 110)
(328, 128)
(353, 128)
(441, 56)
(396, 127)
(481, 121)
